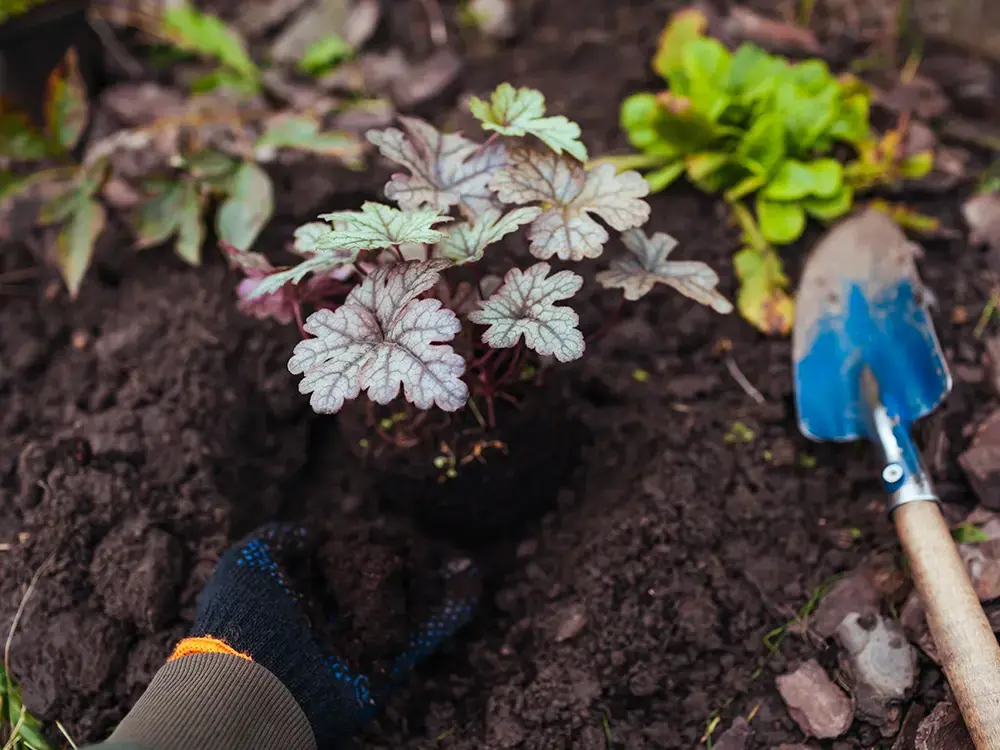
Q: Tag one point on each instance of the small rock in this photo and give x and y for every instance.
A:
(777, 36)
(981, 462)
(428, 79)
(943, 729)
(572, 622)
(983, 563)
(982, 214)
(881, 663)
(816, 704)
(854, 593)
(992, 362)
(737, 737)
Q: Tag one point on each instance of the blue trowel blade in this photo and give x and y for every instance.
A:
(861, 302)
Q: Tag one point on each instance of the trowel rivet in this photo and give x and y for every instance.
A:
(892, 474)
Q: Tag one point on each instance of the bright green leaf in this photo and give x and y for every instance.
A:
(917, 166)
(827, 209)
(745, 187)
(190, 227)
(701, 166)
(75, 244)
(764, 144)
(762, 299)
(852, 124)
(325, 54)
(684, 26)
(780, 223)
(207, 35)
(969, 533)
(246, 210)
(660, 179)
(793, 181)
(827, 177)
(518, 112)
(66, 106)
(159, 216)
(706, 59)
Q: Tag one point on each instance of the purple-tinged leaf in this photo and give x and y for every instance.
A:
(446, 169)
(525, 305)
(383, 338)
(647, 265)
(75, 244)
(569, 193)
(467, 241)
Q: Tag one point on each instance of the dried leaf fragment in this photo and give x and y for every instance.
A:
(446, 169)
(383, 338)
(378, 226)
(647, 265)
(466, 242)
(568, 194)
(518, 112)
(525, 306)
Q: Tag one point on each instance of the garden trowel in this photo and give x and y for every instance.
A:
(867, 363)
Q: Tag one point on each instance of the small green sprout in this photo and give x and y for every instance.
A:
(640, 376)
(969, 533)
(739, 433)
(807, 461)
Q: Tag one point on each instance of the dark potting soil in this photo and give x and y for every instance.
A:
(147, 426)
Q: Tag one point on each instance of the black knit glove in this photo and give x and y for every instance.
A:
(252, 606)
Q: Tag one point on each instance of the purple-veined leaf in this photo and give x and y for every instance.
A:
(381, 339)
(647, 265)
(446, 169)
(568, 194)
(467, 241)
(521, 111)
(525, 305)
(378, 226)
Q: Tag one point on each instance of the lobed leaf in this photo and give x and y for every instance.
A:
(524, 305)
(518, 112)
(647, 265)
(568, 194)
(247, 208)
(466, 242)
(75, 244)
(378, 226)
(323, 263)
(382, 339)
(446, 169)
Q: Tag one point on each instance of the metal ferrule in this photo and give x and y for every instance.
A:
(903, 473)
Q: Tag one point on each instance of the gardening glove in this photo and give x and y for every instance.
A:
(254, 674)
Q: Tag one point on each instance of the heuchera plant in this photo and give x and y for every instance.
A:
(400, 301)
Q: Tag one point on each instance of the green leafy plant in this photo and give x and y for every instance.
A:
(752, 126)
(19, 730)
(390, 286)
(747, 123)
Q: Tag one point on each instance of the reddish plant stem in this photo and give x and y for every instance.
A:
(610, 322)
(479, 281)
(298, 320)
(478, 363)
(513, 367)
(399, 253)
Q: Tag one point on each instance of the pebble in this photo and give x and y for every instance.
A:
(816, 704)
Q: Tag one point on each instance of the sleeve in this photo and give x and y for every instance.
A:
(213, 701)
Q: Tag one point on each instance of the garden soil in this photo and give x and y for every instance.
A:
(146, 426)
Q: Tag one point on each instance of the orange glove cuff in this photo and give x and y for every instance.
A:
(205, 645)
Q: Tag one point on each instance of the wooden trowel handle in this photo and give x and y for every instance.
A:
(966, 644)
